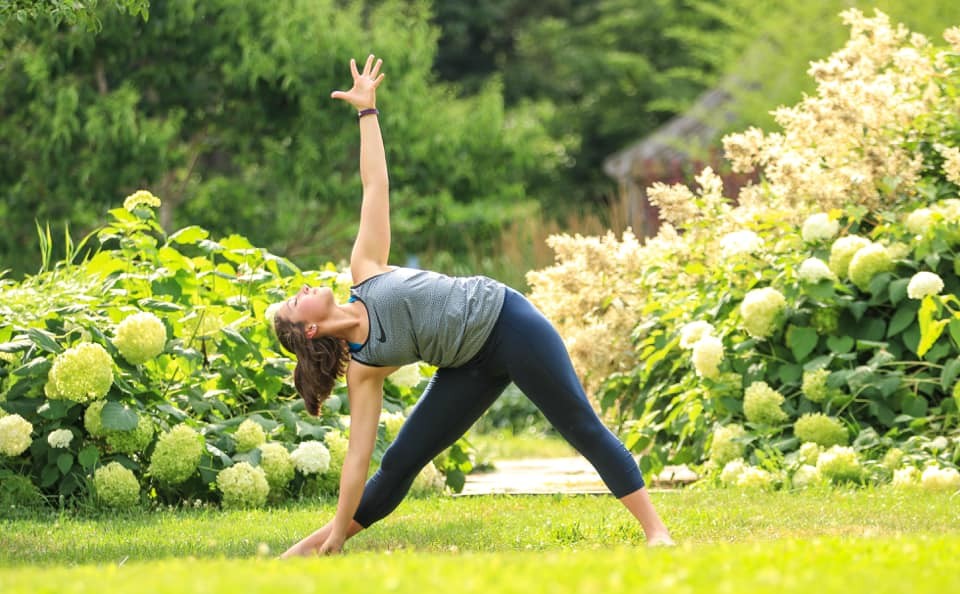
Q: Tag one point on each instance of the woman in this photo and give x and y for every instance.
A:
(479, 333)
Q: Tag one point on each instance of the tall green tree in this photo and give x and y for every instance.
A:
(222, 108)
(66, 11)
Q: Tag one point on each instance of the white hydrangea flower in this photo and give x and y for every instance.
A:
(936, 478)
(814, 270)
(311, 457)
(843, 250)
(732, 471)
(392, 423)
(116, 485)
(707, 356)
(907, 476)
(141, 198)
(140, 337)
(176, 455)
(428, 481)
(740, 242)
(760, 310)
(868, 262)
(693, 332)
(243, 486)
(81, 373)
(277, 465)
(407, 376)
(949, 209)
(918, 221)
(60, 438)
(809, 452)
(724, 446)
(14, 435)
(819, 227)
(806, 476)
(755, 478)
(249, 435)
(923, 284)
(840, 463)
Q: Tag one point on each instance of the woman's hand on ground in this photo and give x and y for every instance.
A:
(363, 94)
(332, 546)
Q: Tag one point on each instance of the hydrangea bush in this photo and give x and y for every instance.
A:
(822, 297)
(146, 372)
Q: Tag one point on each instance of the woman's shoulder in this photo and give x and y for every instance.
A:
(368, 273)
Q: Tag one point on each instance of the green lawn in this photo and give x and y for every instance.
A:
(504, 445)
(878, 540)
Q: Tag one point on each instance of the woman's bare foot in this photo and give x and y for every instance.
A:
(661, 539)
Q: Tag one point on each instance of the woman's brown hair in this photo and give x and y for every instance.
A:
(320, 361)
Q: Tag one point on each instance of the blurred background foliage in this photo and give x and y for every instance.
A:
(497, 115)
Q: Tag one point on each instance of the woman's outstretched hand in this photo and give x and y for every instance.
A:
(363, 95)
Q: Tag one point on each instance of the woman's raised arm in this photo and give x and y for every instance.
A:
(372, 246)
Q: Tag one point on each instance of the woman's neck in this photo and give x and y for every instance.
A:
(348, 322)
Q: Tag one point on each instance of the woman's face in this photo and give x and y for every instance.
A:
(309, 305)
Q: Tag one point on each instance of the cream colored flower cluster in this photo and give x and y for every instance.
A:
(428, 482)
(761, 311)
(277, 465)
(820, 429)
(249, 435)
(311, 457)
(243, 486)
(392, 422)
(761, 404)
(839, 464)
(116, 485)
(81, 373)
(591, 295)
(14, 435)
(407, 376)
(141, 198)
(835, 146)
(140, 337)
(725, 447)
(924, 284)
(176, 455)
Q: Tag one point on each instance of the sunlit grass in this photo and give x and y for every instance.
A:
(484, 524)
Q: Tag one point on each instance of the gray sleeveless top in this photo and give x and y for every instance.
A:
(418, 315)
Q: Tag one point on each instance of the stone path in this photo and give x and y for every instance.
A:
(556, 475)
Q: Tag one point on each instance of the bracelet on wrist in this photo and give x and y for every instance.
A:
(371, 111)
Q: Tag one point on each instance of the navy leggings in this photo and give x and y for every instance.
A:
(524, 348)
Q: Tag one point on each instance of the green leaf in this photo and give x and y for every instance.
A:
(55, 409)
(789, 373)
(65, 462)
(898, 290)
(252, 457)
(37, 367)
(456, 480)
(840, 344)
(949, 374)
(49, 475)
(858, 308)
(820, 362)
(801, 340)
(888, 385)
(88, 457)
(44, 340)
(21, 343)
(158, 305)
(118, 417)
(822, 290)
(189, 235)
(915, 407)
(954, 328)
(904, 316)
